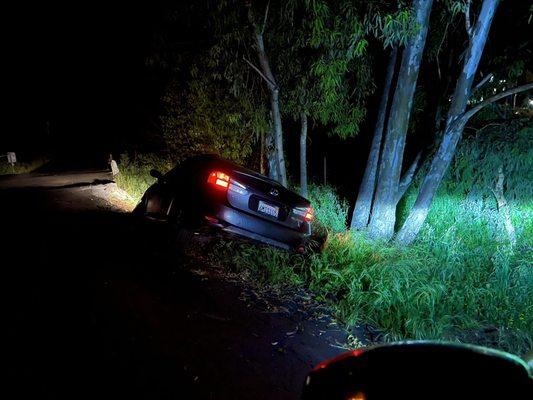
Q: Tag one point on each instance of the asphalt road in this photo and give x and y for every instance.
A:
(99, 304)
(63, 179)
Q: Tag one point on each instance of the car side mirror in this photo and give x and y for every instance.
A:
(420, 370)
(156, 174)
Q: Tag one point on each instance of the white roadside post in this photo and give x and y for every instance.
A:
(114, 168)
(113, 164)
(12, 159)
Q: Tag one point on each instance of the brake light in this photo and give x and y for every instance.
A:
(309, 215)
(305, 212)
(219, 179)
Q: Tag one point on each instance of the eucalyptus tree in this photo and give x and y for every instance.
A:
(383, 215)
(321, 68)
(241, 54)
(265, 72)
(393, 29)
(390, 187)
(331, 72)
(457, 117)
(363, 204)
(328, 76)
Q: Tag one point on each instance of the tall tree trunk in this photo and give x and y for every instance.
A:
(407, 178)
(278, 137)
(303, 155)
(272, 161)
(440, 163)
(383, 215)
(266, 73)
(363, 204)
(455, 124)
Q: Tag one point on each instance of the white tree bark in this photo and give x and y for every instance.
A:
(455, 124)
(363, 204)
(266, 73)
(383, 215)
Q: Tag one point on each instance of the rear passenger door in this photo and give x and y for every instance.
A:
(159, 201)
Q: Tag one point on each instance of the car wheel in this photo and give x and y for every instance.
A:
(140, 209)
(181, 234)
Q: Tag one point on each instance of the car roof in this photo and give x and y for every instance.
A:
(224, 163)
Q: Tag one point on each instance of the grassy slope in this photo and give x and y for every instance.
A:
(459, 281)
(455, 283)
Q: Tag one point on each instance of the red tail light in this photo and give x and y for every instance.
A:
(309, 215)
(305, 212)
(219, 179)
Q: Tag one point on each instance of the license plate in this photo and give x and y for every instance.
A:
(268, 209)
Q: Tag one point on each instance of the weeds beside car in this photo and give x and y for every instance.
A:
(456, 283)
(460, 280)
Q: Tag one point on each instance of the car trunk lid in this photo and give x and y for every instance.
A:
(266, 198)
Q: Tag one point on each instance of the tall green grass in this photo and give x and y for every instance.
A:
(461, 280)
(134, 176)
(453, 284)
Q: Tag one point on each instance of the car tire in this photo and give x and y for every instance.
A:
(181, 234)
(140, 209)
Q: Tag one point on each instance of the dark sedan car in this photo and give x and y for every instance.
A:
(209, 190)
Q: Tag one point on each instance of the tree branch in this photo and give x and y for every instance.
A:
(468, 24)
(268, 81)
(265, 17)
(482, 82)
(407, 177)
(463, 119)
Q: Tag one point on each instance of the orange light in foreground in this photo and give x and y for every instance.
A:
(357, 396)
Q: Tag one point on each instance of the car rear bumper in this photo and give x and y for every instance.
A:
(240, 223)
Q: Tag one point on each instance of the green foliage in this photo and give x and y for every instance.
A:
(340, 75)
(134, 175)
(206, 117)
(458, 282)
(317, 50)
(475, 165)
(331, 212)
(393, 29)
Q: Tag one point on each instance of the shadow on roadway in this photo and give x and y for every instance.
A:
(101, 304)
(69, 280)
